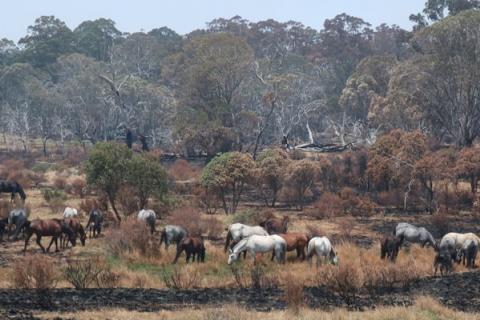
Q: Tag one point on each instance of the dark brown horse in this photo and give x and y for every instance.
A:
(13, 188)
(296, 241)
(48, 228)
(192, 246)
(390, 246)
(275, 225)
(77, 229)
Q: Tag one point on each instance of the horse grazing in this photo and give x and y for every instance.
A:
(389, 247)
(414, 234)
(70, 213)
(296, 241)
(17, 218)
(149, 217)
(454, 243)
(48, 228)
(77, 229)
(275, 225)
(13, 188)
(172, 234)
(192, 247)
(239, 231)
(468, 253)
(95, 222)
(260, 244)
(322, 247)
(443, 260)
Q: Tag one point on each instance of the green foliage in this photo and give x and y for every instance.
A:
(270, 174)
(147, 177)
(227, 175)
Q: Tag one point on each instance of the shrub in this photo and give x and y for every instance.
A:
(345, 280)
(35, 272)
(270, 174)
(209, 200)
(328, 206)
(212, 227)
(55, 199)
(60, 183)
(186, 278)
(300, 179)
(88, 205)
(196, 225)
(227, 175)
(182, 170)
(131, 237)
(128, 202)
(23, 177)
(78, 187)
(259, 278)
(246, 216)
(239, 275)
(41, 167)
(440, 220)
(94, 270)
(293, 293)
(5, 207)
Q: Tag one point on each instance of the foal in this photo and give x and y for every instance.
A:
(192, 246)
(390, 247)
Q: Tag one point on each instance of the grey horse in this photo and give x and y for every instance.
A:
(17, 217)
(172, 234)
(415, 234)
(95, 222)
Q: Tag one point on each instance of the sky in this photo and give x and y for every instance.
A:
(184, 16)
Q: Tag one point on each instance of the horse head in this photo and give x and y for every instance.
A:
(333, 257)
(72, 237)
(232, 257)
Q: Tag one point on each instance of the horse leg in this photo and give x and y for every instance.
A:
(39, 238)
(51, 242)
(179, 251)
(27, 238)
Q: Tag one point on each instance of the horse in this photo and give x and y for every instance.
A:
(468, 253)
(389, 247)
(3, 227)
(12, 187)
(295, 241)
(443, 260)
(77, 229)
(172, 234)
(259, 244)
(17, 217)
(48, 228)
(275, 225)
(322, 247)
(95, 222)
(149, 217)
(414, 234)
(453, 242)
(239, 231)
(192, 246)
(70, 213)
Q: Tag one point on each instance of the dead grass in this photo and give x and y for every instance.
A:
(425, 308)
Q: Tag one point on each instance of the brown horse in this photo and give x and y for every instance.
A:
(390, 246)
(192, 246)
(275, 225)
(296, 241)
(77, 229)
(47, 228)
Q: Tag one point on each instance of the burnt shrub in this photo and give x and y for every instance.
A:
(181, 278)
(182, 170)
(131, 237)
(35, 272)
(90, 271)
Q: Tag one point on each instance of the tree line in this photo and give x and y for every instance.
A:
(238, 85)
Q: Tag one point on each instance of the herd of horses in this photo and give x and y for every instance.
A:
(270, 236)
(452, 247)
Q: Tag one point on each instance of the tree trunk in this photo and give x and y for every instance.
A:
(44, 143)
(112, 203)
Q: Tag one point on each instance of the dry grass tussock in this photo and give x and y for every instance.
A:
(425, 308)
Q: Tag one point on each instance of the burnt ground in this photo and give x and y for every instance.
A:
(459, 291)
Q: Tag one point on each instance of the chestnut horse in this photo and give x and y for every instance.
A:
(275, 225)
(77, 228)
(192, 246)
(296, 241)
(47, 228)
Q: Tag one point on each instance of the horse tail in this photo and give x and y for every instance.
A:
(229, 239)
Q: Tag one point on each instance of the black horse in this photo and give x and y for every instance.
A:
(13, 188)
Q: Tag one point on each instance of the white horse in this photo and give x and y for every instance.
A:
(239, 231)
(454, 242)
(468, 253)
(149, 217)
(260, 244)
(414, 234)
(70, 213)
(322, 247)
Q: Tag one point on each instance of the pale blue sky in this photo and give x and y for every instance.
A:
(184, 16)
